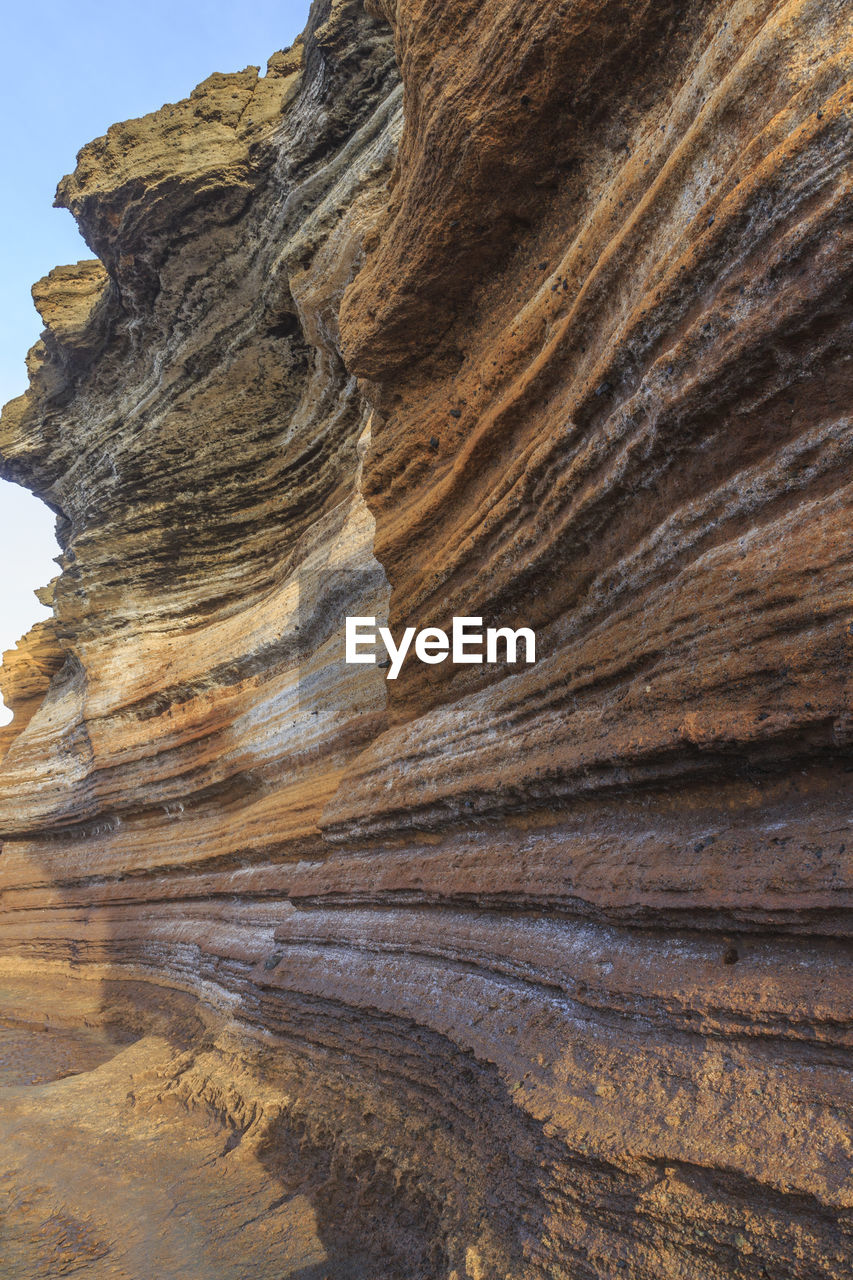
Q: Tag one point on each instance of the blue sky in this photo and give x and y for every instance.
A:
(69, 72)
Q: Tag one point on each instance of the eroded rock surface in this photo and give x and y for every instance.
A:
(534, 313)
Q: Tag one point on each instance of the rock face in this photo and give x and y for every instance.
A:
(533, 313)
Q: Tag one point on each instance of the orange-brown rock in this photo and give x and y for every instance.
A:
(27, 672)
(534, 313)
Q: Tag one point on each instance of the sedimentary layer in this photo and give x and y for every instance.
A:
(538, 314)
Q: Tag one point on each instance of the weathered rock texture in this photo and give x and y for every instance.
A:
(486, 974)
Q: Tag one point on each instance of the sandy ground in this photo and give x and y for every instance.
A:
(100, 1177)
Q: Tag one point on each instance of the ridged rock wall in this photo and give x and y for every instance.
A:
(488, 972)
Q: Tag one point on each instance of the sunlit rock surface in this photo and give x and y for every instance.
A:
(538, 313)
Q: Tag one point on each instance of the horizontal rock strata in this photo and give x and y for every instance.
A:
(534, 313)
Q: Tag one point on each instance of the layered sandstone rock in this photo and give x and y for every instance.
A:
(489, 972)
(27, 672)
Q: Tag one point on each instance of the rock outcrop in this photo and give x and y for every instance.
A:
(533, 313)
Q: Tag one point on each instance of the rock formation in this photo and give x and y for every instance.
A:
(537, 313)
